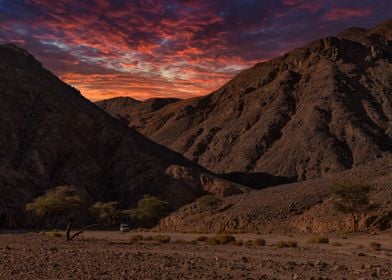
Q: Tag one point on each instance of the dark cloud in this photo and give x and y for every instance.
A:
(184, 48)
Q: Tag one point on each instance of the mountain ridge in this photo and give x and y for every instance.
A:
(325, 107)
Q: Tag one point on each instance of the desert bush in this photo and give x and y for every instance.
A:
(202, 238)
(375, 246)
(148, 238)
(135, 238)
(212, 241)
(239, 242)
(255, 242)
(287, 244)
(54, 234)
(193, 242)
(221, 239)
(161, 238)
(259, 242)
(318, 240)
(180, 241)
(344, 236)
(337, 244)
(208, 200)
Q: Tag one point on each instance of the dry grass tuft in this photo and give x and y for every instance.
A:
(337, 244)
(135, 238)
(54, 234)
(202, 238)
(375, 246)
(221, 239)
(162, 238)
(287, 244)
(319, 240)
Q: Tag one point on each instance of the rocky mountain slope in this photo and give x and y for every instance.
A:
(50, 135)
(294, 208)
(323, 108)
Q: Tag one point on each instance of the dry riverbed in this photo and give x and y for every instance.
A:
(110, 255)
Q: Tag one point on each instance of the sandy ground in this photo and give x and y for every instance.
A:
(108, 255)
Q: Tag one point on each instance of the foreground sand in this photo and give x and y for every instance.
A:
(103, 255)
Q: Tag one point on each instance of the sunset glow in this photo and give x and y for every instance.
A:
(151, 48)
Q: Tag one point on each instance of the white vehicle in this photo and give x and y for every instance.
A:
(124, 228)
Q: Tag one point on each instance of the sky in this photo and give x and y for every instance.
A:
(173, 48)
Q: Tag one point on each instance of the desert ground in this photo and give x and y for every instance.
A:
(110, 255)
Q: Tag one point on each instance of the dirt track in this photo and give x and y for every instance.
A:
(33, 256)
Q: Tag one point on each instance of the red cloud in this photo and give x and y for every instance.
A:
(337, 14)
(146, 48)
(313, 6)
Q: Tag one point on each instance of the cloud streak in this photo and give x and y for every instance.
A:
(182, 48)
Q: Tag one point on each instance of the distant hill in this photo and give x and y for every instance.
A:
(50, 135)
(323, 108)
(302, 207)
(131, 110)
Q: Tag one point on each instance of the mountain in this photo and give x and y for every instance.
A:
(131, 110)
(51, 136)
(319, 109)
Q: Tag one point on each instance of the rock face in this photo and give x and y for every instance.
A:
(50, 135)
(323, 108)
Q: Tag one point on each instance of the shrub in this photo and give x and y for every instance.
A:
(148, 238)
(180, 241)
(318, 240)
(162, 238)
(239, 243)
(337, 244)
(54, 234)
(135, 238)
(249, 243)
(212, 241)
(225, 238)
(202, 238)
(208, 200)
(259, 242)
(221, 239)
(287, 244)
(375, 246)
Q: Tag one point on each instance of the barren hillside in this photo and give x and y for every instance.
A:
(298, 207)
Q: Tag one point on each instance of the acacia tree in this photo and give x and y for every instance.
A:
(148, 211)
(352, 199)
(107, 212)
(61, 202)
